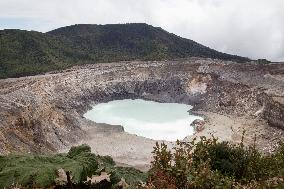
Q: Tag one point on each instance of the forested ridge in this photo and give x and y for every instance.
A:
(25, 53)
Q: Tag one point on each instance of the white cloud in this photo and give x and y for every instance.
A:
(251, 28)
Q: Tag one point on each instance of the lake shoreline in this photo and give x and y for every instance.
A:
(135, 151)
(148, 119)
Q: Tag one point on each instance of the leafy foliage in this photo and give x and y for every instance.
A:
(212, 164)
(77, 150)
(41, 170)
(28, 52)
(131, 175)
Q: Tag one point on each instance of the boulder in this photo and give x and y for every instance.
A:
(61, 180)
(99, 178)
(198, 125)
(122, 184)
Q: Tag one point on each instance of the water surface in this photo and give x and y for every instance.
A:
(154, 120)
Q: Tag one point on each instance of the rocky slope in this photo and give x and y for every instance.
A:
(43, 113)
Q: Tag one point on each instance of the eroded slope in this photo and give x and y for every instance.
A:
(44, 113)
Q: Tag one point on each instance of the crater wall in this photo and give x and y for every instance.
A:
(43, 113)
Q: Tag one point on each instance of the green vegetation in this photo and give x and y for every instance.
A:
(41, 170)
(28, 53)
(25, 53)
(212, 164)
(207, 164)
(262, 61)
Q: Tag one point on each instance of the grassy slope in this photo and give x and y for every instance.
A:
(204, 164)
(28, 52)
(41, 170)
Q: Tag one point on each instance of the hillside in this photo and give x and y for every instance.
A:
(48, 171)
(134, 41)
(28, 52)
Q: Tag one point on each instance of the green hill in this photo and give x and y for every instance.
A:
(28, 52)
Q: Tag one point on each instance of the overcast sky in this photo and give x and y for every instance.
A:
(251, 28)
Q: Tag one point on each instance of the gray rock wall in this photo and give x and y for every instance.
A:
(44, 113)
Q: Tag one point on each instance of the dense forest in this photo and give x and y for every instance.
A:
(25, 53)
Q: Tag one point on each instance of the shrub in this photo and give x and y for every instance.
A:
(77, 150)
(212, 164)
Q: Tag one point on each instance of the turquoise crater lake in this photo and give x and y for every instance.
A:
(154, 120)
